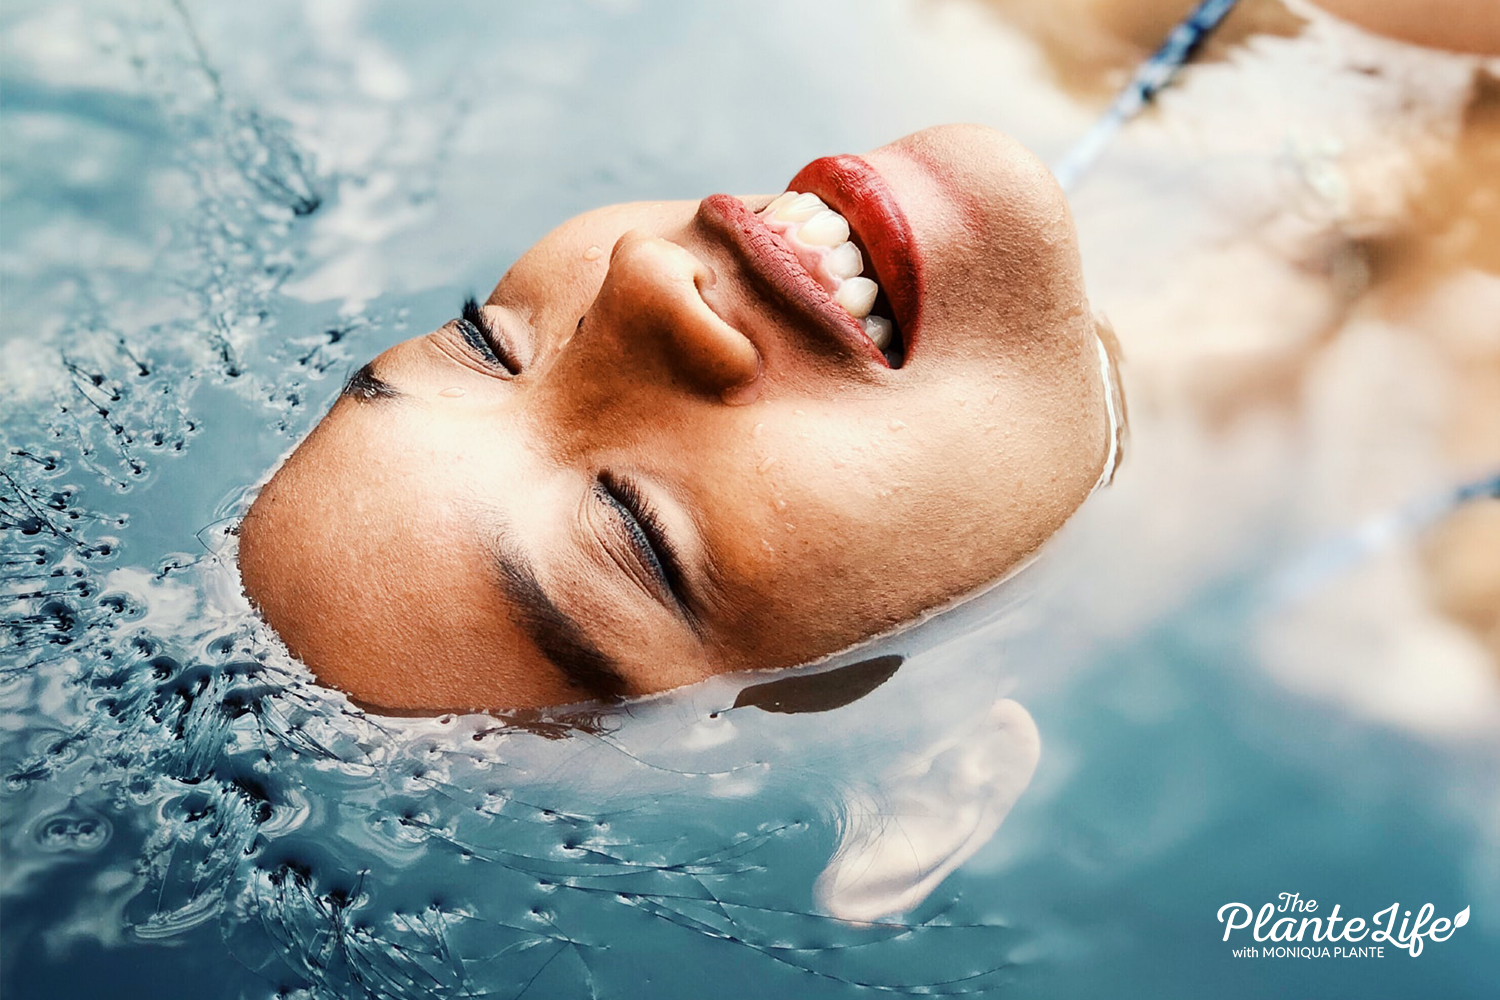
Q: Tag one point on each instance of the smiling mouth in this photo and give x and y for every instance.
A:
(837, 248)
(857, 192)
(820, 238)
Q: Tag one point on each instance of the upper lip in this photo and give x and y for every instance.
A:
(851, 187)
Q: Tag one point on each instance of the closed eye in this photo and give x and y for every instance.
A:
(647, 536)
(481, 337)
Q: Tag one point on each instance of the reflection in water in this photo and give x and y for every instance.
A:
(204, 228)
(1094, 45)
(930, 811)
(1347, 240)
(1152, 76)
(820, 692)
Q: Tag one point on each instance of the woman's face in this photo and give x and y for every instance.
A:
(665, 447)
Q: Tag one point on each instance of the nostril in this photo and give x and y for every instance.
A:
(666, 294)
(705, 278)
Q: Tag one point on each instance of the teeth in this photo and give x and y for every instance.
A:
(826, 229)
(800, 208)
(857, 295)
(779, 201)
(843, 262)
(820, 238)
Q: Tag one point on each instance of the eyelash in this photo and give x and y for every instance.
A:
(643, 523)
(481, 339)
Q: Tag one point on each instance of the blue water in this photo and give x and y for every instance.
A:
(211, 214)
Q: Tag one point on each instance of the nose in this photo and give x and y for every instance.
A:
(651, 304)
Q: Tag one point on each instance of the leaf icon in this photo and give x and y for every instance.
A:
(1462, 918)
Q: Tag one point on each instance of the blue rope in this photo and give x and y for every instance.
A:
(1347, 549)
(1153, 74)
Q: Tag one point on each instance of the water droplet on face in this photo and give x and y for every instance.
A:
(897, 425)
(766, 464)
(452, 392)
(592, 253)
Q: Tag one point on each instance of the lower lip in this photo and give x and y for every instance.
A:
(853, 188)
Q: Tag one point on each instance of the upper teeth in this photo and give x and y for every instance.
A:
(820, 238)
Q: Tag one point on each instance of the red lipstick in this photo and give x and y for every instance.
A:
(853, 188)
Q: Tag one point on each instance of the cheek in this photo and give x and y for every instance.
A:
(814, 484)
(916, 508)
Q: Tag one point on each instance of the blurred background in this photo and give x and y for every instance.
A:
(209, 213)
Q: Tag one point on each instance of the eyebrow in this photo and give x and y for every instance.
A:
(364, 385)
(557, 634)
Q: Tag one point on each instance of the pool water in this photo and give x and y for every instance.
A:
(212, 213)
